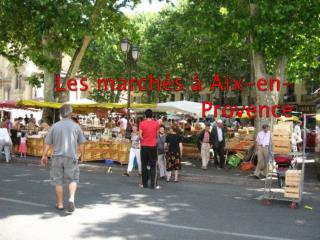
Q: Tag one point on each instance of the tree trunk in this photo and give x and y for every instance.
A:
(55, 58)
(269, 98)
(262, 98)
(279, 73)
(74, 66)
(49, 115)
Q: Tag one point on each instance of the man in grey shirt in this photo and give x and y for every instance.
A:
(64, 136)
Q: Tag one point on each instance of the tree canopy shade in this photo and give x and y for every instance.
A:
(41, 30)
(245, 39)
(232, 37)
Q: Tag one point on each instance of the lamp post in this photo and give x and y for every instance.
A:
(131, 56)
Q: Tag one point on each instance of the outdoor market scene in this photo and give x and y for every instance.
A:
(174, 119)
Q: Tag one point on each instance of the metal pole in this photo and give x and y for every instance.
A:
(129, 95)
(304, 133)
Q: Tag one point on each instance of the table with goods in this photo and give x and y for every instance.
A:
(100, 145)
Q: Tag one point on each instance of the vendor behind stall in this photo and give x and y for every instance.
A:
(44, 125)
(15, 134)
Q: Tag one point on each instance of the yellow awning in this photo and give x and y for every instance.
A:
(39, 104)
(82, 107)
(292, 118)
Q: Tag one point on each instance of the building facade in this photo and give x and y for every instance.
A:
(13, 84)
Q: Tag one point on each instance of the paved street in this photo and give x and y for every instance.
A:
(113, 207)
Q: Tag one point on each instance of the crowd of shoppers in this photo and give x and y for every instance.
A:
(17, 133)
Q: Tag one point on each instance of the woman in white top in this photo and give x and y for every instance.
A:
(134, 152)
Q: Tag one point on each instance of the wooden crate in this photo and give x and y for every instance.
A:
(281, 150)
(293, 173)
(292, 184)
(282, 130)
(292, 195)
(286, 125)
(281, 139)
(281, 134)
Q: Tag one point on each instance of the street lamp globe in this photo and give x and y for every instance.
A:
(125, 45)
(135, 52)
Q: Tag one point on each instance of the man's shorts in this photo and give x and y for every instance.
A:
(64, 171)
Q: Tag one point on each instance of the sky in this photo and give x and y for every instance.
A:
(146, 7)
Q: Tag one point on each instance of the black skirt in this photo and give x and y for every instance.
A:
(173, 160)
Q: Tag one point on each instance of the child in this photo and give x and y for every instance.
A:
(134, 151)
(23, 145)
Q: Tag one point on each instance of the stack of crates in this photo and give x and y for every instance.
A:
(281, 138)
(293, 184)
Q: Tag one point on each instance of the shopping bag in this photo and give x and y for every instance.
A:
(234, 160)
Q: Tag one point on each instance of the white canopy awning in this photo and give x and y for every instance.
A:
(182, 107)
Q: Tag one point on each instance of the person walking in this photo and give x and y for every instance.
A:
(64, 136)
(148, 130)
(218, 143)
(262, 143)
(5, 143)
(161, 155)
(134, 152)
(174, 154)
(205, 143)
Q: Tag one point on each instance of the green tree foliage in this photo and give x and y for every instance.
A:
(215, 36)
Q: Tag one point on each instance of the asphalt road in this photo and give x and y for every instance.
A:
(113, 207)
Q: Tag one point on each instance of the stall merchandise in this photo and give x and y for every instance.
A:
(242, 143)
(117, 151)
(97, 147)
(35, 145)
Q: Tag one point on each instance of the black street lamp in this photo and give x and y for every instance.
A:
(131, 57)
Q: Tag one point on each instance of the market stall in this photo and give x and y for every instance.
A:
(117, 151)
(190, 130)
(242, 144)
(100, 144)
